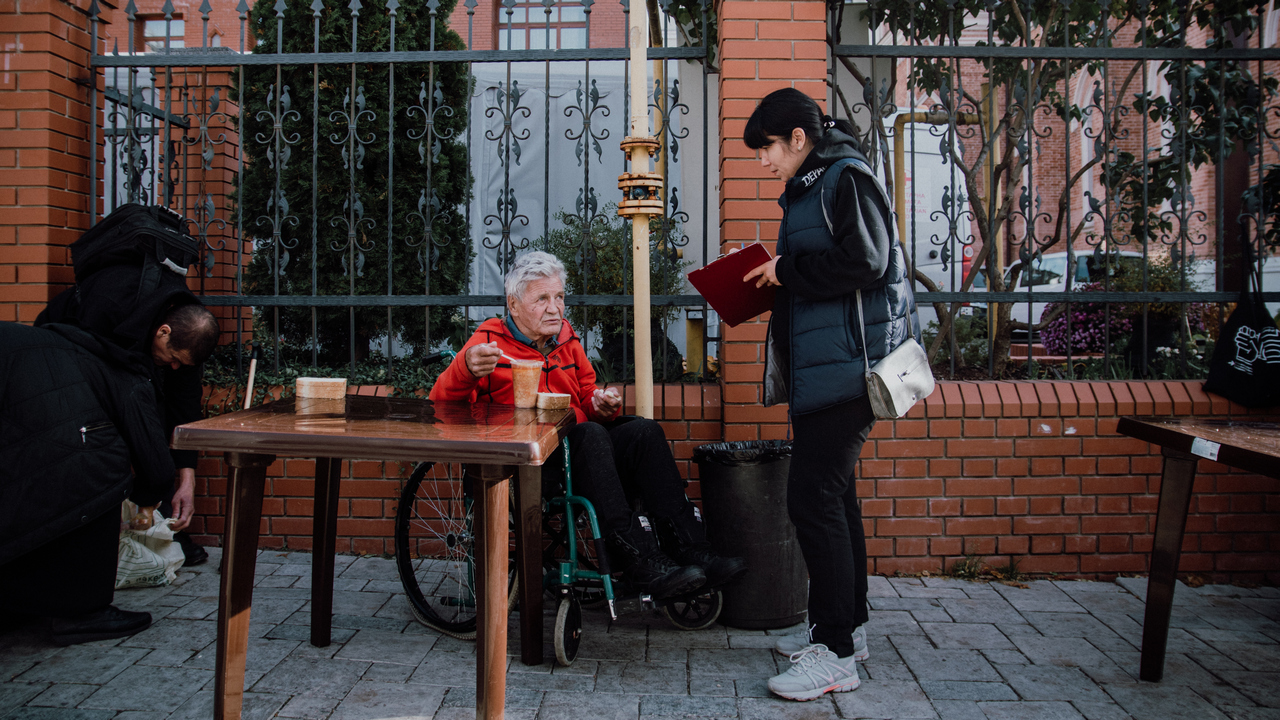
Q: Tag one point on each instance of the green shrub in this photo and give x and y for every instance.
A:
(970, 341)
(597, 257)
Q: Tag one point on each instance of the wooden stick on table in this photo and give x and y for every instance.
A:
(255, 352)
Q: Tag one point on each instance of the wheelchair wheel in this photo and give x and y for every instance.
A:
(695, 612)
(435, 549)
(568, 631)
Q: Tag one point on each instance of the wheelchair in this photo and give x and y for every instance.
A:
(435, 545)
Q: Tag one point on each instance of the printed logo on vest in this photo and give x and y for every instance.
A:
(812, 176)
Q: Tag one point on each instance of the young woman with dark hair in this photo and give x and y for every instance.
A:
(836, 237)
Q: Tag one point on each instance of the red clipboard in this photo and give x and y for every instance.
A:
(722, 287)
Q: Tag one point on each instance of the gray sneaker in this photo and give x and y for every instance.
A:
(788, 645)
(814, 672)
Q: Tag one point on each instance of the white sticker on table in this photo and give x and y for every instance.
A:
(1205, 448)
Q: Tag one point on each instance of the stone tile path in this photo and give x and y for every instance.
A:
(940, 648)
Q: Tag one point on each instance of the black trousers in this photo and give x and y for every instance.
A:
(822, 500)
(70, 575)
(614, 466)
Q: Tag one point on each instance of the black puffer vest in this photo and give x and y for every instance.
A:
(826, 365)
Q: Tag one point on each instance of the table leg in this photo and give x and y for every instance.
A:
(1171, 522)
(246, 476)
(324, 536)
(492, 528)
(529, 551)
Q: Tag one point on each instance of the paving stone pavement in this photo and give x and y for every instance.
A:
(940, 648)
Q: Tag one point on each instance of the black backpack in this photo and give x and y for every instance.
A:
(153, 236)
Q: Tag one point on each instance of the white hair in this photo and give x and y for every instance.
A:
(533, 266)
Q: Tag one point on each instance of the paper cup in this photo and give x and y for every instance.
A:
(524, 379)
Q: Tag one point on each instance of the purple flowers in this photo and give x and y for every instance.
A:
(1089, 328)
(1095, 325)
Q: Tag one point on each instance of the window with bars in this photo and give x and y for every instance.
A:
(527, 26)
(153, 31)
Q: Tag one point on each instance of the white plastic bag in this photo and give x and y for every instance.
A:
(146, 558)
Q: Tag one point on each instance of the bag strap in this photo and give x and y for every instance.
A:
(829, 180)
(1254, 268)
(838, 167)
(863, 333)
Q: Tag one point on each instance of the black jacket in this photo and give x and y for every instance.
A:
(113, 305)
(76, 424)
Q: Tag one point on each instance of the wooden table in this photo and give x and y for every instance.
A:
(1249, 445)
(498, 438)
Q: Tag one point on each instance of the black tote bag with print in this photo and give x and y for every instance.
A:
(1246, 362)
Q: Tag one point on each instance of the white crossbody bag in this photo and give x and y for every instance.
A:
(901, 379)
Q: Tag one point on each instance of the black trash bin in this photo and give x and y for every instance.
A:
(744, 496)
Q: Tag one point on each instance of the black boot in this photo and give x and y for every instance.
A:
(192, 553)
(687, 543)
(105, 623)
(649, 567)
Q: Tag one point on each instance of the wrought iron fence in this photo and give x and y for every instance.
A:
(1072, 179)
(1064, 177)
(360, 180)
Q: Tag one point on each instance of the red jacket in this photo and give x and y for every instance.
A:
(565, 369)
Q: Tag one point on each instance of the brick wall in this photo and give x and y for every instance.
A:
(44, 188)
(223, 27)
(763, 46)
(1031, 472)
(1035, 472)
(608, 24)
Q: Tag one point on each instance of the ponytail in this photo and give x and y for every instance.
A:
(782, 111)
(843, 126)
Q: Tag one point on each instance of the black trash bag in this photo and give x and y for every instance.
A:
(748, 452)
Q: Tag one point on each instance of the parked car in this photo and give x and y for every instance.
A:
(929, 263)
(1047, 274)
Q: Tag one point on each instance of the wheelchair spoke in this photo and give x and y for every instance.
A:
(435, 549)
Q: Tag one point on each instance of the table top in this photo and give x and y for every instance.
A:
(382, 428)
(1252, 445)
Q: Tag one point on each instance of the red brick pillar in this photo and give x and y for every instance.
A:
(764, 46)
(44, 159)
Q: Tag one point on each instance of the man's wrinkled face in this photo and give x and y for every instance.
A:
(540, 312)
(163, 353)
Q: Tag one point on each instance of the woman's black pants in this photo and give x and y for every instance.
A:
(822, 500)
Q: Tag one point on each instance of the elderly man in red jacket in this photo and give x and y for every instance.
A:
(614, 459)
